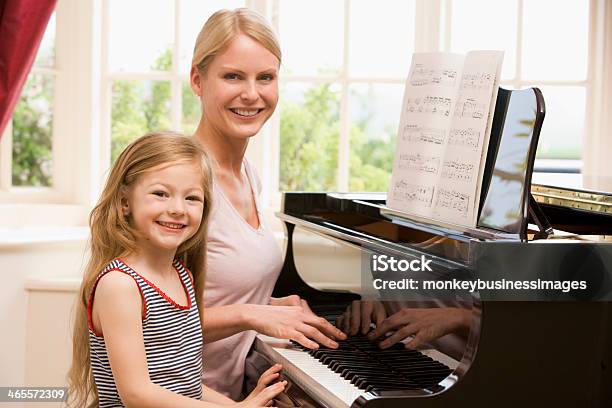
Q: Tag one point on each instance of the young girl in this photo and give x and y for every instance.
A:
(137, 338)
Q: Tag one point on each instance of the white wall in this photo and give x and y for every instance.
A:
(59, 257)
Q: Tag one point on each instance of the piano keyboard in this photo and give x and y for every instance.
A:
(358, 368)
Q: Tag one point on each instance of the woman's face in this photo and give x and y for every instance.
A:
(239, 89)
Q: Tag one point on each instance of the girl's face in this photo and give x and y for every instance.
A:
(239, 90)
(165, 205)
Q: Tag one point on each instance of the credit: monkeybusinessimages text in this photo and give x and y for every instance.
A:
(384, 263)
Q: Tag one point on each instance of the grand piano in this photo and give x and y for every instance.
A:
(524, 348)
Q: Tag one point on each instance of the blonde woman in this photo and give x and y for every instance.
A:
(137, 339)
(235, 74)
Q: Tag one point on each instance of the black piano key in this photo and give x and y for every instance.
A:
(421, 369)
(366, 345)
(334, 364)
(327, 358)
(350, 374)
(364, 370)
(372, 367)
(382, 388)
(415, 362)
(318, 354)
(417, 366)
(399, 353)
(386, 384)
(425, 376)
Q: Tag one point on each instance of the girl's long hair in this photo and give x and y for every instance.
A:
(112, 236)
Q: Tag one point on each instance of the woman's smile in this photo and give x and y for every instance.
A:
(246, 112)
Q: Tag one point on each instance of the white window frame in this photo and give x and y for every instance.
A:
(519, 83)
(75, 128)
(10, 193)
(173, 76)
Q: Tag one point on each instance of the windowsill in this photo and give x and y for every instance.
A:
(21, 236)
(568, 180)
(17, 216)
(39, 284)
(557, 166)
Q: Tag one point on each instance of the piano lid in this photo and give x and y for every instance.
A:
(572, 204)
(571, 191)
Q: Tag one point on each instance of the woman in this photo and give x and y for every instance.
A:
(235, 74)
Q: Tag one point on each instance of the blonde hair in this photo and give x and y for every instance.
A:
(223, 26)
(112, 236)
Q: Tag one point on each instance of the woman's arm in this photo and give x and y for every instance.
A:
(117, 314)
(283, 322)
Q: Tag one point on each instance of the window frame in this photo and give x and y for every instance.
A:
(425, 35)
(55, 192)
(543, 164)
(74, 115)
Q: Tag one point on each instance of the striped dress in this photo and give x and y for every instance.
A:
(172, 337)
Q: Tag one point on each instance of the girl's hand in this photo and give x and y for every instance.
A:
(270, 375)
(263, 395)
(296, 323)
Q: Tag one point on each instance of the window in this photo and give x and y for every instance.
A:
(545, 49)
(109, 71)
(147, 66)
(341, 91)
(54, 128)
(28, 145)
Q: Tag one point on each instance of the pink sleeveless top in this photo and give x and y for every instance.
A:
(243, 264)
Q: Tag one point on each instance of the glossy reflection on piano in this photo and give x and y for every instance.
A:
(521, 351)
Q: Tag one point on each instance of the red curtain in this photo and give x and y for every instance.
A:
(22, 25)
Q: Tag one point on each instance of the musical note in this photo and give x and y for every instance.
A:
(418, 134)
(464, 137)
(453, 200)
(419, 163)
(477, 80)
(411, 193)
(422, 76)
(433, 105)
(470, 108)
(457, 170)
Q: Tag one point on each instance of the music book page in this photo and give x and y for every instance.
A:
(446, 119)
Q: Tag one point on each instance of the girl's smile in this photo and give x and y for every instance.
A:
(165, 205)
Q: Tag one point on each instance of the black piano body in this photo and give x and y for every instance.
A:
(518, 353)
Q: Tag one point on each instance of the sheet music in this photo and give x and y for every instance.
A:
(443, 135)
